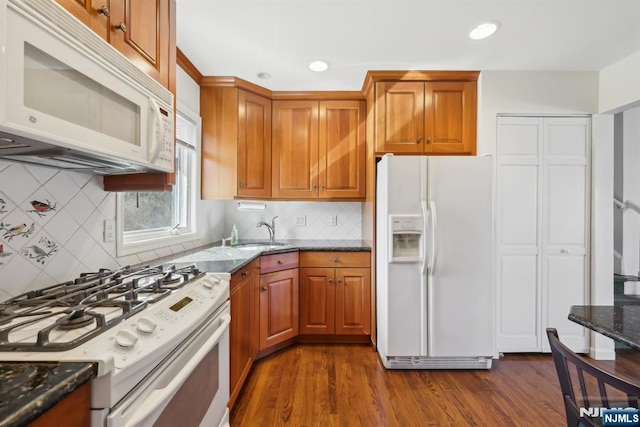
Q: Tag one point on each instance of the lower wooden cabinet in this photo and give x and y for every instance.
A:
(335, 298)
(277, 300)
(75, 410)
(241, 331)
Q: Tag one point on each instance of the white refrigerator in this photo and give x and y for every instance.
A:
(434, 262)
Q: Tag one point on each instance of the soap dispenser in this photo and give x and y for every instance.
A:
(234, 235)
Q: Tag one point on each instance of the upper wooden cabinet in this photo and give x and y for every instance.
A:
(318, 149)
(142, 30)
(95, 14)
(424, 112)
(236, 143)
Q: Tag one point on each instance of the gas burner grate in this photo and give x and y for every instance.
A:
(75, 304)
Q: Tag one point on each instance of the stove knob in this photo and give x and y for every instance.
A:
(126, 339)
(211, 282)
(146, 325)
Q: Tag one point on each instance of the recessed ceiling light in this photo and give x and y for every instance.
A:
(264, 75)
(319, 66)
(484, 30)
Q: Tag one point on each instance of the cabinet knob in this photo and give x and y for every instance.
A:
(330, 280)
(419, 140)
(264, 289)
(322, 187)
(339, 280)
(315, 186)
(334, 259)
(121, 26)
(245, 273)
(428, 139)
(280, 262)
(104, 10)
(564, 251)
(241, 184)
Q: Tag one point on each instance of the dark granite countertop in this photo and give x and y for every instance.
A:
(619, 322)
(230, 259)
(27, 390)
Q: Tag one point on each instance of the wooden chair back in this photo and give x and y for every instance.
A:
(597, 388)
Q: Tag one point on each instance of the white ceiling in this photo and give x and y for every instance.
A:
(245, 37)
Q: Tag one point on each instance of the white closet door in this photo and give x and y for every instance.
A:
(518, 234)
(565, 226)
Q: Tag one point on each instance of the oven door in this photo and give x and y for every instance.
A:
(190, 387)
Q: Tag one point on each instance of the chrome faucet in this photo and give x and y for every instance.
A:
(271, 227)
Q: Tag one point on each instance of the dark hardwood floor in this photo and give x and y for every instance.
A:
(346, 385)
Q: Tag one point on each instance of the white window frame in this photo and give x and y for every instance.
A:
(147, 240)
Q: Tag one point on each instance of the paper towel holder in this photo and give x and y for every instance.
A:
(250, 206)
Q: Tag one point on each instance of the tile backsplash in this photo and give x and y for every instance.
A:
(51, 224)
(317, 219)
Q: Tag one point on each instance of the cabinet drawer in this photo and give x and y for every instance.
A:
(240, 275)
(277, 262)
(335, 259)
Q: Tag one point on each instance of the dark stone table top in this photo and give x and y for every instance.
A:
(27, 390)
(619, 322)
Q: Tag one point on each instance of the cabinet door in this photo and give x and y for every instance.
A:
(254, 145)
(565, 226)
(353, 301)
(400, 117)
(295, 149)
(241, 350)
(278, 307)
(92, 13)
(450, 117)
(518, 234)
(317, 301)
(341, 147)
(140, 30)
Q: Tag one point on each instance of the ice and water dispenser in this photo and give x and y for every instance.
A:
(406, 238)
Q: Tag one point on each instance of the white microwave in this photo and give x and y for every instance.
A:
(69, 100)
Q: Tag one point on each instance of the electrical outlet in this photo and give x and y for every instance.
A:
(109, 231)
(301, 221)
(334, 220)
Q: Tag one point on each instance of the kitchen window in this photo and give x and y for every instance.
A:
(148, 220)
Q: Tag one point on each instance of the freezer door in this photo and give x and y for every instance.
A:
(460, 272)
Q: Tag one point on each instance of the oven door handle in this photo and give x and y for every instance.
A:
(159, 398)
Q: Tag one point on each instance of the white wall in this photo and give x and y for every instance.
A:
(531, 92)
(620, 85)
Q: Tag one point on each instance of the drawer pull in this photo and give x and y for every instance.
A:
(245, 273)
(334, 259)
(280, 262)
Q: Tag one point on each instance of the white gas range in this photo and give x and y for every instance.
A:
(157, 334)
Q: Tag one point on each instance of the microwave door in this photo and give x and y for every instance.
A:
(60, 93)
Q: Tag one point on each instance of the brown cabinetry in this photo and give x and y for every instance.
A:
(142, 30)
(75, 410)
(241, 330)
(236, 143)
(318, 149)
(335, 293)
(278, 299)
(424, 112)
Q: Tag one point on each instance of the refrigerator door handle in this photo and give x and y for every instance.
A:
(425, 221)
(434, 227)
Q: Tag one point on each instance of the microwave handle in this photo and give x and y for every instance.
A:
(156, 125)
